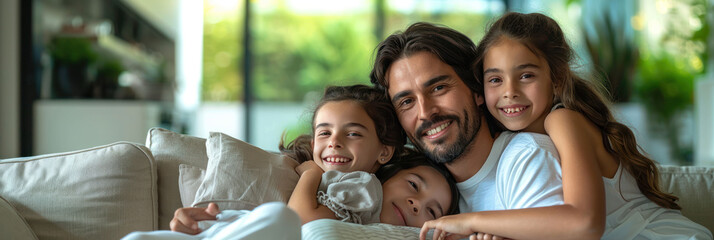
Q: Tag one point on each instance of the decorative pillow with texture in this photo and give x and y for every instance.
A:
(103, 192)
(241, 176)
(335, 229)
(170, 150)
(190, 178)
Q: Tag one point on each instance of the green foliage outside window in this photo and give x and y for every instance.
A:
(666, 75)
(292, 55)
(295, 55)
(221, 57)
(665, 87)
(470, 24)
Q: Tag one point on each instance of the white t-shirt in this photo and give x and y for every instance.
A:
(522, 171)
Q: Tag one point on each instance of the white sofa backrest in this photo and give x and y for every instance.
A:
(695, 188)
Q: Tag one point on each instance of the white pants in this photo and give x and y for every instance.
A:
(268, 221)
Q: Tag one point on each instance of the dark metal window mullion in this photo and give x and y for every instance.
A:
(247, 71)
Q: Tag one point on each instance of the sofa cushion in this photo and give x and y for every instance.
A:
(103, 192)
(170, 150)
(12, 225)
(693, 186)
(242, 176)
(190, 178)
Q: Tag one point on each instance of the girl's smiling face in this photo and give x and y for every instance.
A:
(414, 196)
(345, 139)
(517, 86)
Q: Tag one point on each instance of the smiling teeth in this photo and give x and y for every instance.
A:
(513, 110)
(437, 129)
(340, 160)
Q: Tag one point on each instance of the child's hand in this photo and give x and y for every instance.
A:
(307, 165)
(186, 219)
(448, 227)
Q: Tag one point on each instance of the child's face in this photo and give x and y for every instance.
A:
(346, 139)
(414, 196)
(517, 86)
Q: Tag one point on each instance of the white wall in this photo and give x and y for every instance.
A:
(9, 78)
(63, 125)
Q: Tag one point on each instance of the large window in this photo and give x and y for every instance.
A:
(299, 47)
(650, 54)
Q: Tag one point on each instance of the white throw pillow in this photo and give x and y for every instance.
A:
(103, 192)
(190, 178)
(242, 176)
(335, 229)
(170, 150)
(12, 225)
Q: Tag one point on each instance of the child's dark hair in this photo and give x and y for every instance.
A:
(410, 159)
(373, 101)
(543, 36)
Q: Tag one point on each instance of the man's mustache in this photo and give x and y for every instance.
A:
(429, 123)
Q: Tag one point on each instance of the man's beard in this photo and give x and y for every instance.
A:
(448, 153)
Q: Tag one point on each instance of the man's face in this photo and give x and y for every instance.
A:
(437, 110)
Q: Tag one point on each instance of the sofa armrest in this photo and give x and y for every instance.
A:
(103, 192)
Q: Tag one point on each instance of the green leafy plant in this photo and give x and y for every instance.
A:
(72, 50)
(611, 46)
(665, 88)
(668, 72)
(72, 57)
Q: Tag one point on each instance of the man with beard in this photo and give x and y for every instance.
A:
(428, 75)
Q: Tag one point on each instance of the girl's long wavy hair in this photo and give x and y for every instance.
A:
(543, 37)
(373, 101)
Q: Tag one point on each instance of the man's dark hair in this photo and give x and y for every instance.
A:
(451, 46)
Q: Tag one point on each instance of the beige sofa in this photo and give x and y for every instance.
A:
(107, 191)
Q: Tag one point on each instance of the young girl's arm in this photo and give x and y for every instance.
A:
(304, 197)
(583, 160)
(582, 216)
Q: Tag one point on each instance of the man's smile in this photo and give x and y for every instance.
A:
(438, 130)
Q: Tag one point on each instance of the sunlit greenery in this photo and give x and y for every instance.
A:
(669, 67)
(221, 53)
(297, 53)
(470, 24)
